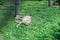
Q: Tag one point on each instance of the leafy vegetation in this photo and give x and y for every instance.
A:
(45, 23)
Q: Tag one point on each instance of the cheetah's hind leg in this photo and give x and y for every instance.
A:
(18, 24)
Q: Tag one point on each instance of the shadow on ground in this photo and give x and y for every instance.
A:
(8, 13)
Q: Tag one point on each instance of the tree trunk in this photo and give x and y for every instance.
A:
(49, 2)
(17, 8)
(58, 2)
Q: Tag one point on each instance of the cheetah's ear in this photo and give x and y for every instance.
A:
(30, 14)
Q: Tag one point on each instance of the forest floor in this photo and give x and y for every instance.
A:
(45, 23)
